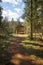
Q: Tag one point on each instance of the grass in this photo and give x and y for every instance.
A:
(29, 41)
(4, 42)
(35, 50)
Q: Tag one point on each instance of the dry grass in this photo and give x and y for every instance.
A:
(35, 50)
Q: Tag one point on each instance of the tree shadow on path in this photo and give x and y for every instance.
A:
(15, 54)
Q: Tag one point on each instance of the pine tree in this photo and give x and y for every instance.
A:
(42, 14)
(1, 15)
(29, 14)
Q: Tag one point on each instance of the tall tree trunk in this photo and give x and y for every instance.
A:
(42, 15)
(31, 20)
(35, 16)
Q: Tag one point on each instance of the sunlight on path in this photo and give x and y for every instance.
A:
(20, 35)
(29, 60)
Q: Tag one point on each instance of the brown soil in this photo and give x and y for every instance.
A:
(15, 54)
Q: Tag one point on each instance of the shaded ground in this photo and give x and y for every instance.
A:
(14, 53)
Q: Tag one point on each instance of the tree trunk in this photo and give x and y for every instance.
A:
(31, 20)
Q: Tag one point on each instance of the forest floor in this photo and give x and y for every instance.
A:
(19, 50)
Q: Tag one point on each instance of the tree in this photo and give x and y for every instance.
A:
(1, 15)
(42, 14)
(31, 20)
(13, 25)
(26, 27)
(32, 13)
(29, 14)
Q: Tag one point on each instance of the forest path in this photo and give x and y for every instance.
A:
(19, 55)
(16, 54)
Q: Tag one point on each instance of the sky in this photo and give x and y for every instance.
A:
(12, 9)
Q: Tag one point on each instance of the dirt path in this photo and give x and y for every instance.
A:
(19, 53)
(15, 54)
